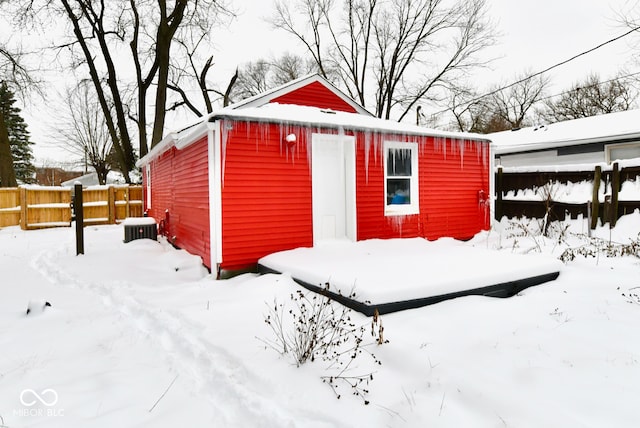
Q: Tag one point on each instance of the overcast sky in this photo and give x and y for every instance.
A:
(538, 34)
(535, 35)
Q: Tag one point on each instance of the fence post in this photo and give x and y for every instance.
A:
(79, 212)
(595, 202)
(111, 201)
(589, 218)
(615, 188)
(498, 206)
(127, 209)
(23, 208)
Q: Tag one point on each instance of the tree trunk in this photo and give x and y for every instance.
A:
(161, 91)
(101, 171)
(7, 173)
(142, 83)
(166, 30)
(125, 156)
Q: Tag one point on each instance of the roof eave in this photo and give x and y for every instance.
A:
(550, 145)
(237, 116)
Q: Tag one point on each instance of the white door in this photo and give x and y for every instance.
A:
(333, 187)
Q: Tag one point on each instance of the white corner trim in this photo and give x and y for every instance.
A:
(215, 192)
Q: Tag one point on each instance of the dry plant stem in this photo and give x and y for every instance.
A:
(163, 394)
(597, 246)
(314, 327)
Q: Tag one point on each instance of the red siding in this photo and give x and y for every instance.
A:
(180, 185)
(267, 200)
(315, 94)
(451, 174)
(266, 194)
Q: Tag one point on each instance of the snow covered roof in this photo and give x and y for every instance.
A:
(595, 129)
(268, 96)
(303, 116)
(91, 179)
(316, 117)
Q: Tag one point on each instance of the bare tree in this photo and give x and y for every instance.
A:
(471, 113)
(288, 67)
(390, 54)
(196, 69)
(190, 67)
(83, 130)
(512, 106)
(101, 34)
(252, 79)
(628, 15)
(591, 97)
(262, 74)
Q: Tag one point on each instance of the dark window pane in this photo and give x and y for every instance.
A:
(399, 162)
(398, 191)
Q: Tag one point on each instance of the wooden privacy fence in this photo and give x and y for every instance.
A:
(37, 207)
(603, 201)
(9, 206)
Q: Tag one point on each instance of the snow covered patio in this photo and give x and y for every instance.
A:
(397, 274)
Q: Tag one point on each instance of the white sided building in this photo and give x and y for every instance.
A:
(602, 138)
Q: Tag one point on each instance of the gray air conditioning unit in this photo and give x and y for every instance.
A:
(140, 228)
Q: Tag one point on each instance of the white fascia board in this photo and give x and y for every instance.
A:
(179, 140)
(508, 148)
(265, 97)
(194, 134)
(166, 143)
(310, 117)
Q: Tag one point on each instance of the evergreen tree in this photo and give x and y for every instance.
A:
(19, 138)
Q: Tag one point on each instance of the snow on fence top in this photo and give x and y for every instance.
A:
(626, 163)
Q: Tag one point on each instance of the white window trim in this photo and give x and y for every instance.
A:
(414, 206)
(608, 148)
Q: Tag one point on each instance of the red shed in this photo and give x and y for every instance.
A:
(304, 163)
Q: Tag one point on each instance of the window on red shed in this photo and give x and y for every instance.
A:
(401, 178)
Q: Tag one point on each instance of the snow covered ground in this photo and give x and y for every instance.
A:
(138, 335)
